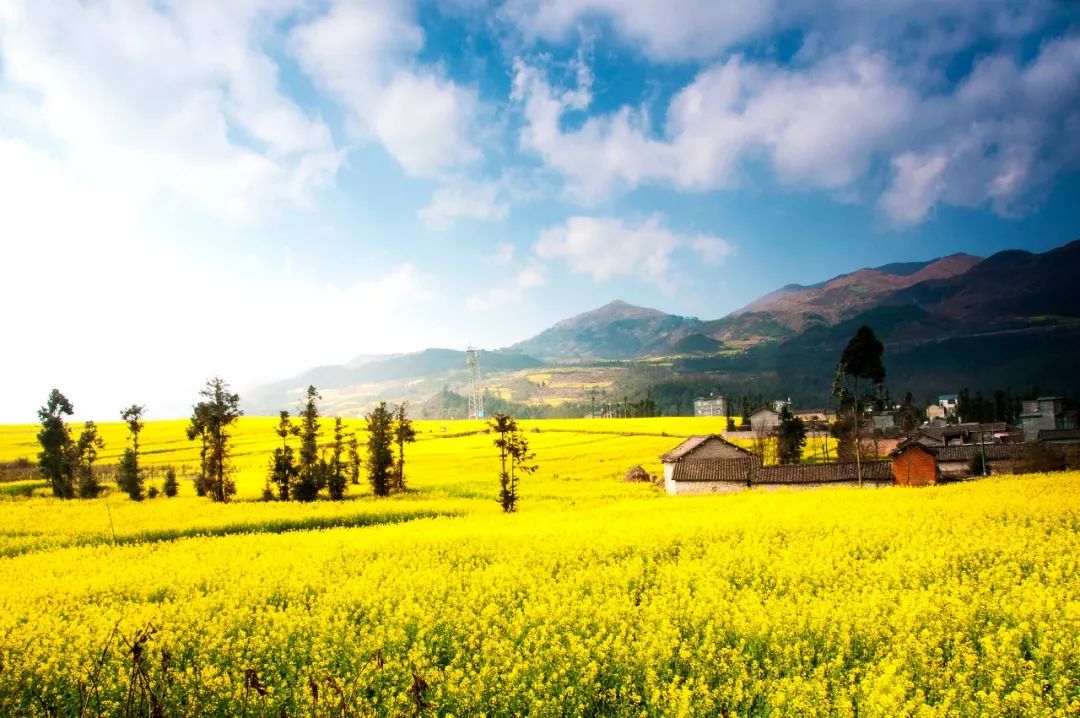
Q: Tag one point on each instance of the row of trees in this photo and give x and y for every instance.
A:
(301, 476)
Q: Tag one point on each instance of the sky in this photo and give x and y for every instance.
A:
(252, 188)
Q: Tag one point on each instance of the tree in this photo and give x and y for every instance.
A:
(56, 458)
(404, 433)
(87, 448)
(909, 415)
(170, 488)
(380, 456)
(212, 419)
(283, 469)
(514, 459)
(336, 480)
(860, 361)
(353, 446)
(129, 476)
(197, 429)
(790, 437)
(310, 471)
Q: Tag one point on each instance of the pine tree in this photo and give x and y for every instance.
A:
(336, 479)
(404, 433)
(170, 488)
(514, 459)
(860, 360)
(354, 459)
(790, 437)
(283, 469)
(87, 448)
(310, 471)
(56, 458)
(380, 456)
(129, 476)
(197, 429)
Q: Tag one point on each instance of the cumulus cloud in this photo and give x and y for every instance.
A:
(817, 127)
(530, 277)
(605, 247)
(468, 200)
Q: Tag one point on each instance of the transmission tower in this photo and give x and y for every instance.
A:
(476, 392)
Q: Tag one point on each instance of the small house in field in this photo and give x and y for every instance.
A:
(764, 421)
(918, 462)
(707, 464)
(914, 464)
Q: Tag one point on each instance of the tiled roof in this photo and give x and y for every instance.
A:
(725, 470)
(688, 447)
(1059, 435)
(994, 452)
(821, 473)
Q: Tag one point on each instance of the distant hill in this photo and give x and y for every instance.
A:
(614, 331)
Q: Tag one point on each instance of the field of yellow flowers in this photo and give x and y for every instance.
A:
(598, 598)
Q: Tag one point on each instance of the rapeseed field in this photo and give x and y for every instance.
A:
(599, 597)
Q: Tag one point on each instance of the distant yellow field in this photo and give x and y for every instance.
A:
(600, 597)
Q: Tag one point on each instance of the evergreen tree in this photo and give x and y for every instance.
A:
(310, 471)
(404, 433)
(170, 488)
(336, 478)
(860, 360)
(87, 448)
(197, 429)
(56, 460)
(514, 459)
(354, 459)
(283, 469)
(213, 418)
(380, 455)
(129, 476)
(790, 437)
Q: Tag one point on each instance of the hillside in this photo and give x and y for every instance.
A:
(614, 331)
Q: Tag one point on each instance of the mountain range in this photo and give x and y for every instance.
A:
(1012, 319)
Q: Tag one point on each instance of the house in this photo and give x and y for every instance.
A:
(919, 461)
(764, 421)
(884, 420)
(707, 464)
(935, 411)
(1059, 436)
(1044, 413)
(949, 403)
(711, 406)
(814, 416)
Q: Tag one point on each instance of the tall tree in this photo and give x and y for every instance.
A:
(336, 478)
(790, 437)
(129, 475)
(353, 446)
(197, 429)
(87, 448)
(283, 469)
(859, 362)
(404, 433)
(56, 460)
(514, 459)
(214, 417)
(380, 455)
(311, 474)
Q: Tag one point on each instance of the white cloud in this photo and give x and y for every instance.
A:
(470, 200)
(531, 277)
(688, 29)
(362, 53)
(818, 128)
(605, 247)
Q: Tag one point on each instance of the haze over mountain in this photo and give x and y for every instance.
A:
(960, 311)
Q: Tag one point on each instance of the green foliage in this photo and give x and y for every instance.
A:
(336, 477)
(353, 446)
(514, 457)
(311, 474)
(170, 488)
(404, 433)
(790, 437)
(380, 460)
(132, 415)
(212, 420)
(56, 458)
(128, 475)
(283, 468)
(87, 448)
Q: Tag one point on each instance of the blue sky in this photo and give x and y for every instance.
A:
(257, 188)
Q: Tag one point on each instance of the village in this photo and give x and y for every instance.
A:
(943, 448)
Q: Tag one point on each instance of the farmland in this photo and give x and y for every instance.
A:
(599, 597)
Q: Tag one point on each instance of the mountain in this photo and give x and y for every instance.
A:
(369, 379)
(794, 308)
(614, 331)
